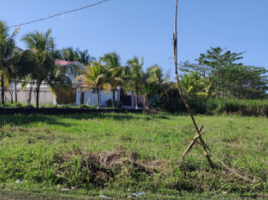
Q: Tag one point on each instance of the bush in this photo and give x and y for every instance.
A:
(29, 106)
(241, 107)
(118, 104)
(18, 105)
(8, 105)
(66, 106)
(177, 106)
(216, 106)
(83, 106)
(109, 103)
(140, 104)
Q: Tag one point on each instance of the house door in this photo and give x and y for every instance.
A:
(82, 98)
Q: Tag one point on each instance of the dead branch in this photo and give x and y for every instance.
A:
(192, 143)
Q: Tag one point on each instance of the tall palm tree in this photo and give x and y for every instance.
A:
(40, 51)
(155, 75)
(83, 57)
(94, 76)
(115, 71)
(8, 55)
(137, 74)
(69, 54)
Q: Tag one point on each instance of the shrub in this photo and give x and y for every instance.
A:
(118, 104)
(66, 106)
(29, 106)
(18, 105)
(83, 106)
(177, 106)
(140, 104)
(242, 107)
(109, 103)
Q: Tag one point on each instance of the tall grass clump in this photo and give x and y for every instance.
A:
(235, 106)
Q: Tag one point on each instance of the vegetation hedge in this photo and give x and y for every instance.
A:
(216, 106)
(61, 111)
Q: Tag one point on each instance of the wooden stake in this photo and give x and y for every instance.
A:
(175, 49)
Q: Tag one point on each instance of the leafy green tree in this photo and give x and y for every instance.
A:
(40, 54)
(230, 78)
(95, 76)
(216, 60)
(9, 55)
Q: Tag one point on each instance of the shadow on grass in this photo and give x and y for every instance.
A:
(57, 119)
(28, 119)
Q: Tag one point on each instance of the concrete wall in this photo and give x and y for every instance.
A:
(91, 98)
(45, 96)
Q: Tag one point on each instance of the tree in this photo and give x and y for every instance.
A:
(94, 76)
(115, 72)
(136, 75)
(194, 86)
(8, 55)
(229, 78)
(41, 54)
(83, 57)
(155, 74)
(216, 60)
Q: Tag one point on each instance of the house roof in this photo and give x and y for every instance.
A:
(68, 63)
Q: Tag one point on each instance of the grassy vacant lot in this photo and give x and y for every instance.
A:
(118, 154)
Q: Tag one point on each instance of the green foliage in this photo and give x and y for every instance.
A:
(177, 106)
(229, 78)
(9, 56)
(41, 54)
(18, 105)
(83, 106)
(193, 86)
(216, 106)
(109, 103)
(241, 107)
(118, 104)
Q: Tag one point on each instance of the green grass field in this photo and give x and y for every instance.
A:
(118, 154)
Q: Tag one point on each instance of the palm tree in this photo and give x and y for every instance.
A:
(69, 54)
(83, 57)
(40, 51)
(194, 86)
(155, 75)
(149, 90)
(94, 76)
(136, 75)
(115, 71)
(8, 55)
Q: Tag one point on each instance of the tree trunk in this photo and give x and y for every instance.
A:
(57, 95)
(98, 98)
(11, 95)
(137, 97)
(37, 96)
(30, 95)
(16, 96)
(2, 90)
(132, 103)
(113, 98)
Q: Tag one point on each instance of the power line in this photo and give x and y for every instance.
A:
(95, 4)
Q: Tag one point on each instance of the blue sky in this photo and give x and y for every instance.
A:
(145, 27)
